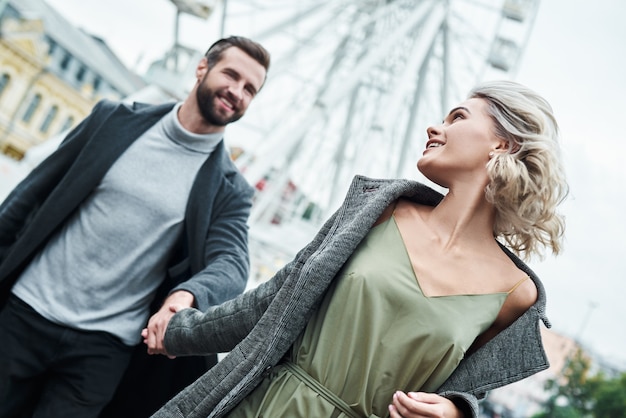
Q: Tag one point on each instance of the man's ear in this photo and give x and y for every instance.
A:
(202, 68)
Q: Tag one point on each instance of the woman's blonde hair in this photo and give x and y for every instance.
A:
(527, 182)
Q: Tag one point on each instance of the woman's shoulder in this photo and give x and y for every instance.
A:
(520, 298)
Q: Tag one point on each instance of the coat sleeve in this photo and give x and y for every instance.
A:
(466, 402)
(225, 255)
(220, 328)
(24, 200)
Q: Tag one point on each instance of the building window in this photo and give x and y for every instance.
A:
(96, 83)
(51, 46)
(65, 62)
(80, 74)
(32, 108)
(52, 113)
(4, 81)
(69, 122)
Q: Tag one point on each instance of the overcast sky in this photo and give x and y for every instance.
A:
(576, 59)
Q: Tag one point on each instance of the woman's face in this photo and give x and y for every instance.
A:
(458, 149)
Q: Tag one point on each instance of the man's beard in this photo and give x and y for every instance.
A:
(206, 102)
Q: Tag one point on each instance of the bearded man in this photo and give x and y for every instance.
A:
(139, 209)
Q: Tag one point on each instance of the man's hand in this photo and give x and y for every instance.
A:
(154, 333)
(422, 405)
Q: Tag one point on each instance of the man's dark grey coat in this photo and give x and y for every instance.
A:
(211, 258)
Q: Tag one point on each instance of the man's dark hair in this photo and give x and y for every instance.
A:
(253, 49)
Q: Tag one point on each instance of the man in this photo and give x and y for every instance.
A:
(140, 204)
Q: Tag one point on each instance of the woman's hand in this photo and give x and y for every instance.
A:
(422, 405)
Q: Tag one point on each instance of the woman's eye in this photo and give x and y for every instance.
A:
(456, 116)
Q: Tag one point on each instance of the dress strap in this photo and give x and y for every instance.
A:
(517, 284)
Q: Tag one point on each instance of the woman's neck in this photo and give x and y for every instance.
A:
(463, 217)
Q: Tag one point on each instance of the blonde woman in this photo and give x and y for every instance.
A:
(406, 303)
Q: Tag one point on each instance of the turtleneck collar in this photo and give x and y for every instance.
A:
(203, 143)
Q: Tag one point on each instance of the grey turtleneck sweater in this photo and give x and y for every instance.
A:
(100, 271)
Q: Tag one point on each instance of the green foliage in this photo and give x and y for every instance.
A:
(560, 412)
(578, 394)
(610, 398)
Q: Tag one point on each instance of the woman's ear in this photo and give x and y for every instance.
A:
(507, 146)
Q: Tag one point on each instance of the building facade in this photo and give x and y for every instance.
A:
(51, 75)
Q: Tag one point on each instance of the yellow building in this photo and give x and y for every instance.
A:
(51, 75)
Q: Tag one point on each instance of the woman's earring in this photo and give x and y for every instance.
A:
(491, 154)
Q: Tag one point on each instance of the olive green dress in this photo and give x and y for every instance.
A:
(374, 333)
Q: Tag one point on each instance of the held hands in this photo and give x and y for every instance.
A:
(422, 405)
(154, 334)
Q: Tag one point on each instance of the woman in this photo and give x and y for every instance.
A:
(402, 290)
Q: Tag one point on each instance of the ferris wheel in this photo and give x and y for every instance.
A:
(352, 87)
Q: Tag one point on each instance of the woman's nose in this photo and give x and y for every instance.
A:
(433, 130)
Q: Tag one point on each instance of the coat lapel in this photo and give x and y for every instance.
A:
(199, 212)
(109, 138)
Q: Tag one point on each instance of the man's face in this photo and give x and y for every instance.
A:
(226, 90)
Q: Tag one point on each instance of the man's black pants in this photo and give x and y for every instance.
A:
(48, 370)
